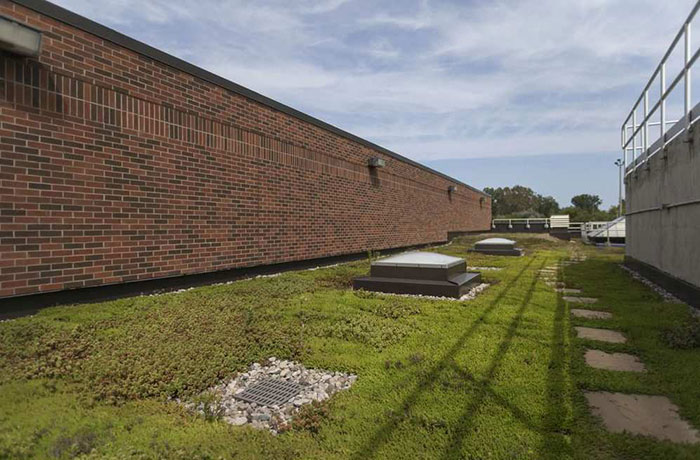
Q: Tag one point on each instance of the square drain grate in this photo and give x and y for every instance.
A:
(270, 392)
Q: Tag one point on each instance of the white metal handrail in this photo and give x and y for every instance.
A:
(526, 221)
(532, 220)
(641, 128)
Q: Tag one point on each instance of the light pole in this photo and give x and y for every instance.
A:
(619, 164)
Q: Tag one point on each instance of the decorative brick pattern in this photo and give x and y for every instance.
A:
(116, 168)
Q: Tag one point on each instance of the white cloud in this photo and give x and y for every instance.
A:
(428, 79)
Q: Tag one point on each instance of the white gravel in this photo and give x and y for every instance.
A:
(654, 287)
(316, 385)
(471, 295)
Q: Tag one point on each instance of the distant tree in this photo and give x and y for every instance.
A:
(613, 210)
(547, 206)
(587, 202)
(520, 201)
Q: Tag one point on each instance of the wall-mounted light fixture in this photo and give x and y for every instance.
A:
(376, 162)
(451, 189)
(18, 38)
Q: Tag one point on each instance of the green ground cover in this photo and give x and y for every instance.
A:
(496, 377)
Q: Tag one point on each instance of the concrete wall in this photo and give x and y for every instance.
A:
(663, 211)
(123, 164)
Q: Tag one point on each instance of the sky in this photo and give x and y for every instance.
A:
(493, 93)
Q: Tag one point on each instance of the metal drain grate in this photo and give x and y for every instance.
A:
(270, 392)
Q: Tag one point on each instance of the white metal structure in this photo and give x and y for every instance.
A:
(561, 221)
(638, 145)
(546, 222)
(597, 231)
(527, 222)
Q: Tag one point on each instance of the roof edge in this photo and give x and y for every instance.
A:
(87, 25)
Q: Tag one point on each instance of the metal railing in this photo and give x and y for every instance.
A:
(603, 229)
(635, 133)
(526, 221)
(544, 221)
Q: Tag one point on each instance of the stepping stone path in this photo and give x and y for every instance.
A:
(590, 314)
(568, 290)
(602, 335)
(646, 415)
(558, 284)
(654, 416)
(614, 361)
(580, 299)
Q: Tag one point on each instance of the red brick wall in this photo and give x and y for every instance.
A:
(116, 168)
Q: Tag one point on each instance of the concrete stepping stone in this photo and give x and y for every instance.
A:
(568, 290)
(654, 416)
(579, 299)
(602, 335)
(558, 284)
(614, 361)
(590, 314)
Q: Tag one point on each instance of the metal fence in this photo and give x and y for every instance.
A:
(638, 144)
(543, 223)
(528, 223)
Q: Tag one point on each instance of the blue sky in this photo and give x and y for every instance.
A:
(494, 93)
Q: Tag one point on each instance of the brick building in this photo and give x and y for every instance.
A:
(120, 163)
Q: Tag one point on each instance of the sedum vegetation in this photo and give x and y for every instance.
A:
(497, 377)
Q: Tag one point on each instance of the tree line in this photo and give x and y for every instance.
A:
(523, 202)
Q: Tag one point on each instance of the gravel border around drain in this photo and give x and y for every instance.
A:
(316, 385)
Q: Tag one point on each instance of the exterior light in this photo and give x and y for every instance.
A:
(376, 162)
(18, 38)
(451, 189)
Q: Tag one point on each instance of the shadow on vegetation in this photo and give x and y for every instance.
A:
(465, 421)
(448, 362)
(555, 418)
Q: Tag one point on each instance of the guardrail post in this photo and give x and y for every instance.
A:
(645, 128)
(686, 76)
(662, 107)
(624, 143)
(634, 138)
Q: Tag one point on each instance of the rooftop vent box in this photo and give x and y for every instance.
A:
(422, 273)
(497, 247)
(18, 38)
(376, 162)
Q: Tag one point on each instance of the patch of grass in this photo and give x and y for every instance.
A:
(497, 377)
(392, 307)
(74, 445)
(367, 329)
(311, 417)
(159, 347)
(685, 335)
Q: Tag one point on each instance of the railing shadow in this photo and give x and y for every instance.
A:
(447, 361)
(558, 403)
(464, 424)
